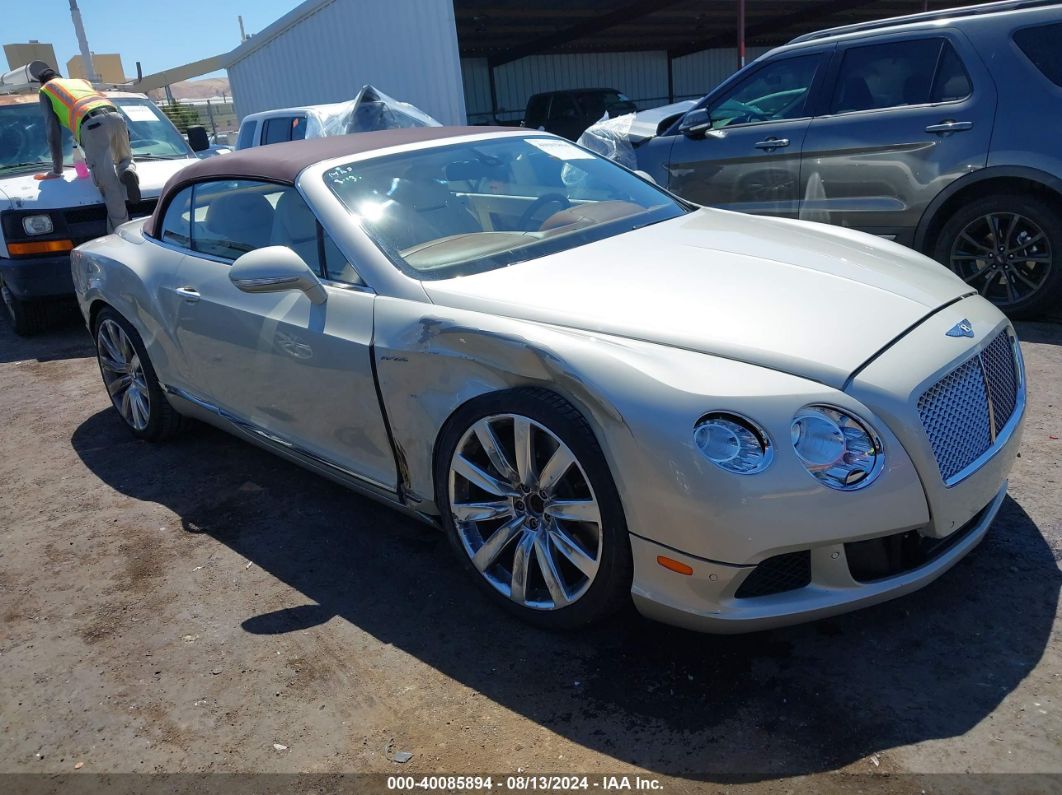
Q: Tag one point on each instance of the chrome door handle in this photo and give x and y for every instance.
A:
(189, 294)
(772, 143)
(949, 126)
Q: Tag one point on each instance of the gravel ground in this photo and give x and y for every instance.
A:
(204, 606)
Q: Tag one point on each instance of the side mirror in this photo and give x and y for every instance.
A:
(275, 269)
(695, 123)
(197, 138)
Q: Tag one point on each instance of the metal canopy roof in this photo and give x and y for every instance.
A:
(504, 30)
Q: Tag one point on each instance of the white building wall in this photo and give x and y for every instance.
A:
(642, 76)
(698, 73)
(325, 50)
(639, 75)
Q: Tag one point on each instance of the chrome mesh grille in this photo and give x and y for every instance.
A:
(998, 359)
(955, 411)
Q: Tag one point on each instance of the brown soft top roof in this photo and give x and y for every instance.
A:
(284, 162)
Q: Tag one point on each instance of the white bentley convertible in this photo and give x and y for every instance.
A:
(597, 390)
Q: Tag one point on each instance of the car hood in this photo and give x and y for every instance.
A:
(802, 298)
(23, 191)
(646, 122)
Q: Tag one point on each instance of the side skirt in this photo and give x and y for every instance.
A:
(192, 406)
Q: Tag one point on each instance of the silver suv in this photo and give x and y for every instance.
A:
(937, 130)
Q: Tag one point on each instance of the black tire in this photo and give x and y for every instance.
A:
(163, 421)
(1045, 215)
(27, 317)
(610, 588)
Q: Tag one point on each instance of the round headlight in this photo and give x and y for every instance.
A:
(733, 443)
(37, 225)
(840, 450)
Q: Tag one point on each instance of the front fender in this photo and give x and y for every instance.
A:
(642, 401)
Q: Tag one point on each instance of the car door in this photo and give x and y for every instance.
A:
(564, 117)
(749, 157)
(906, 116)
(297, 373)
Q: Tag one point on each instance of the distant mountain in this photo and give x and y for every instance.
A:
(197, 89)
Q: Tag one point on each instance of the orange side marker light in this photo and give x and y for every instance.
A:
(674, 565)
(38, 247)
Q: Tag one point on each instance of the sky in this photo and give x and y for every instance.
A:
(160, 34)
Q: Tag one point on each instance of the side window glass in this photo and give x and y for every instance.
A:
(951, 82)
(336, 266)
(536, 111)
(177, 225)
(563, 107)
(777, 91)
(298, 128)
(296, 227)
(232, 217)
(276, 130)
(885, 75)
(246, 138)
(1041, 46)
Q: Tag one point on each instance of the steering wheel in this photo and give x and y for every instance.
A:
(753, 113)
(536, 206)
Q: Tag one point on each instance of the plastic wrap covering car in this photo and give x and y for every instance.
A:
(612, 138)
(617, 138)
(370, 110)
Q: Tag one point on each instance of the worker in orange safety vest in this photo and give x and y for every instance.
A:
(101, 132)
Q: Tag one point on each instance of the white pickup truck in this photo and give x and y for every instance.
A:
(42, 220)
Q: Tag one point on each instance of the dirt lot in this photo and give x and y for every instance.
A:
(204, 606)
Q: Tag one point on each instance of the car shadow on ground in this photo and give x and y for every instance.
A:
(1048, 331)
(768, 705)
(64, 338)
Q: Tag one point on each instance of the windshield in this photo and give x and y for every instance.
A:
(24, 141)
(597, 103)
(472, 207)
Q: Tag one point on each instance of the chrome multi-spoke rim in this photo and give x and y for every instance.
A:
(525, 512)
(123, 374)
(1005, 256)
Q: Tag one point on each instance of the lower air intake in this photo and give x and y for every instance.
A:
(778, 574)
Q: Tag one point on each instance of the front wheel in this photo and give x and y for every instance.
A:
(531, 509)
(131, 381)
(1009, 249)
(27, 317)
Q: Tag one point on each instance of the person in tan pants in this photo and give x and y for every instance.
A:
(100, 129)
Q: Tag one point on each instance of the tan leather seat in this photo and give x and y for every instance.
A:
(243, 218)
(295, 226)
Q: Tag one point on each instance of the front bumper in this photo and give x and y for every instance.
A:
(38, 278)
(822, 553)
(706, 601)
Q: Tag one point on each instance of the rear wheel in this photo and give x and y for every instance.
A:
(1009, 248)
(27, 317)
(531, 509)
(130, 379)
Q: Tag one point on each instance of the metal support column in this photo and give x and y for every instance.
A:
(493, 95)
(741, 33)
(670, 78)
